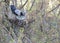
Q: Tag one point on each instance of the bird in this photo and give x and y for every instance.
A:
(19, 14)
(14, 10)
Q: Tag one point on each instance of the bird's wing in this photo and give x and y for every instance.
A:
(17, 12)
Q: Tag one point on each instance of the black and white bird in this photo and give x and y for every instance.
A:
(19, 14)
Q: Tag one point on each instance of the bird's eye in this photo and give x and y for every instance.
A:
(21, 14)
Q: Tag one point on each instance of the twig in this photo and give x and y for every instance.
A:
(4, 28)
(41, 5)
(32, 5)
(54, 8)
(26, 38)
(23, 4)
